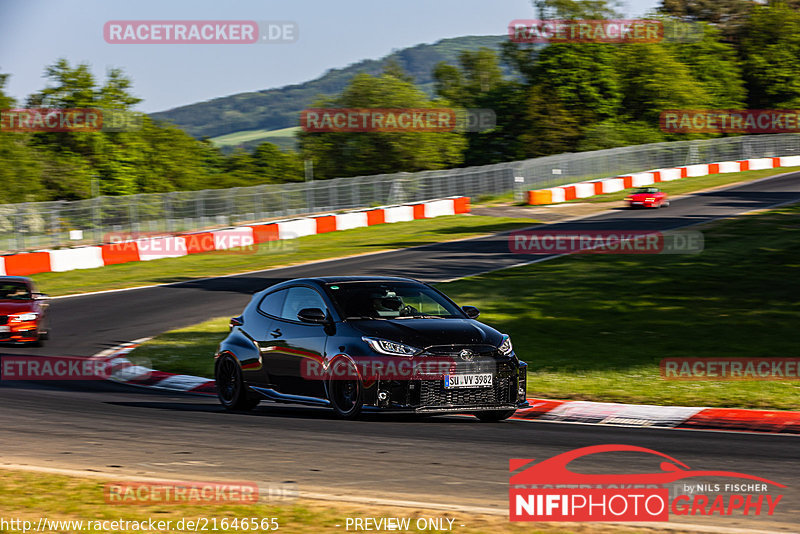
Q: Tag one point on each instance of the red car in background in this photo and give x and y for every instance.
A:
(23, 311)
(647, 197)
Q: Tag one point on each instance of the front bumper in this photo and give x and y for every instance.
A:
(20, 332)
(428, 395)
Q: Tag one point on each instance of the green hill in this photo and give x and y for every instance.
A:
(274, 109)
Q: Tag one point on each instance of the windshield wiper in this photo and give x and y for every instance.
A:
(363, 317)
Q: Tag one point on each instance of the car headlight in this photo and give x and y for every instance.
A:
(393, 348)
(24, 317)
(505, 347)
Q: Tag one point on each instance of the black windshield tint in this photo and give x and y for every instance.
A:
(14, 291)
(389, 300)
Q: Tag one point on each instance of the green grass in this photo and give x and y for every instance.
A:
(244, 136)
(596, 327)
(276, 253)
(187, 350)
(698, 183)
(30, 496)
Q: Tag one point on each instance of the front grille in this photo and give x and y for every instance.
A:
(433, 394)
(3, 319)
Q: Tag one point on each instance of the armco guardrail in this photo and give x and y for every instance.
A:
(242, 239)
(39, 225)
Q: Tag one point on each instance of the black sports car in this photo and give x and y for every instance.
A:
(355, 343)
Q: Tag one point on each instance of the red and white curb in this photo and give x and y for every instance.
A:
(171, 246)
(564, 193)
(594, 413)
(138, 373)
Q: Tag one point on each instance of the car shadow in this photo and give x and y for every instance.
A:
(278, 411)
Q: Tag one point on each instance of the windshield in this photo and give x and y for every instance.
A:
(390, 300)
(14, 291)
(647, 190)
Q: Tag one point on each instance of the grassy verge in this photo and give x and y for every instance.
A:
(596, 327)
(276, 253)
(690, 185)
(31, 496)
(187, 350)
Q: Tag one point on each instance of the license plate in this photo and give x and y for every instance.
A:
(635, 202)
(483, 380)
(5, 329)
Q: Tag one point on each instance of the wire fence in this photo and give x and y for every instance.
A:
(38, 225)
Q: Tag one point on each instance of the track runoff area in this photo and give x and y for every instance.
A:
(531, 453)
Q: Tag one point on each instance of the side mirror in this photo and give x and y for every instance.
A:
(41, 296)
(235, 321)
(471, 311)
(312, 315)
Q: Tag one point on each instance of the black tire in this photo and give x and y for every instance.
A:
(494, 416)
(231, 390)
(665, 204)
(346, 396)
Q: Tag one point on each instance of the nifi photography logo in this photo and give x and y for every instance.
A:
(549, 490)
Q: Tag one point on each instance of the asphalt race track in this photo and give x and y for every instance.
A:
(453, 460)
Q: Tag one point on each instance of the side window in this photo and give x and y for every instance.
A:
(272, 304)
(298, 298)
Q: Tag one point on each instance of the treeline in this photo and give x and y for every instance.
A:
(578, 96)
(158, 157)
(560, 98)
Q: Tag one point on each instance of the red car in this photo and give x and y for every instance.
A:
(23, 311)
(647, 197)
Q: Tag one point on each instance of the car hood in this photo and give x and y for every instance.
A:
(427, 332)
(7, 307)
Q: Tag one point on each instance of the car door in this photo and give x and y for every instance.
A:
(258, 328)
(292, 349)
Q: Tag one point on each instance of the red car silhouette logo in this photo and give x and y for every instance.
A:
(555, 471)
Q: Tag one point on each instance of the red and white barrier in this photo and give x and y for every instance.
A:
(558, 411)
(564, 193)
(173, 246)
(75, 258)
(642, 179)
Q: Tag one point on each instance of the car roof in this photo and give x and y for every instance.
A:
(322, 280)
(15, 279)
(340, 279)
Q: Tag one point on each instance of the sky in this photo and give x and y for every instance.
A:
(332, 34)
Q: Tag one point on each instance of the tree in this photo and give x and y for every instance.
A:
(337, 154)
(576, 9)
(550, 128)
(770, 53)
(583, 76)
(715, 65)
(654, 80)
(727, 15)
